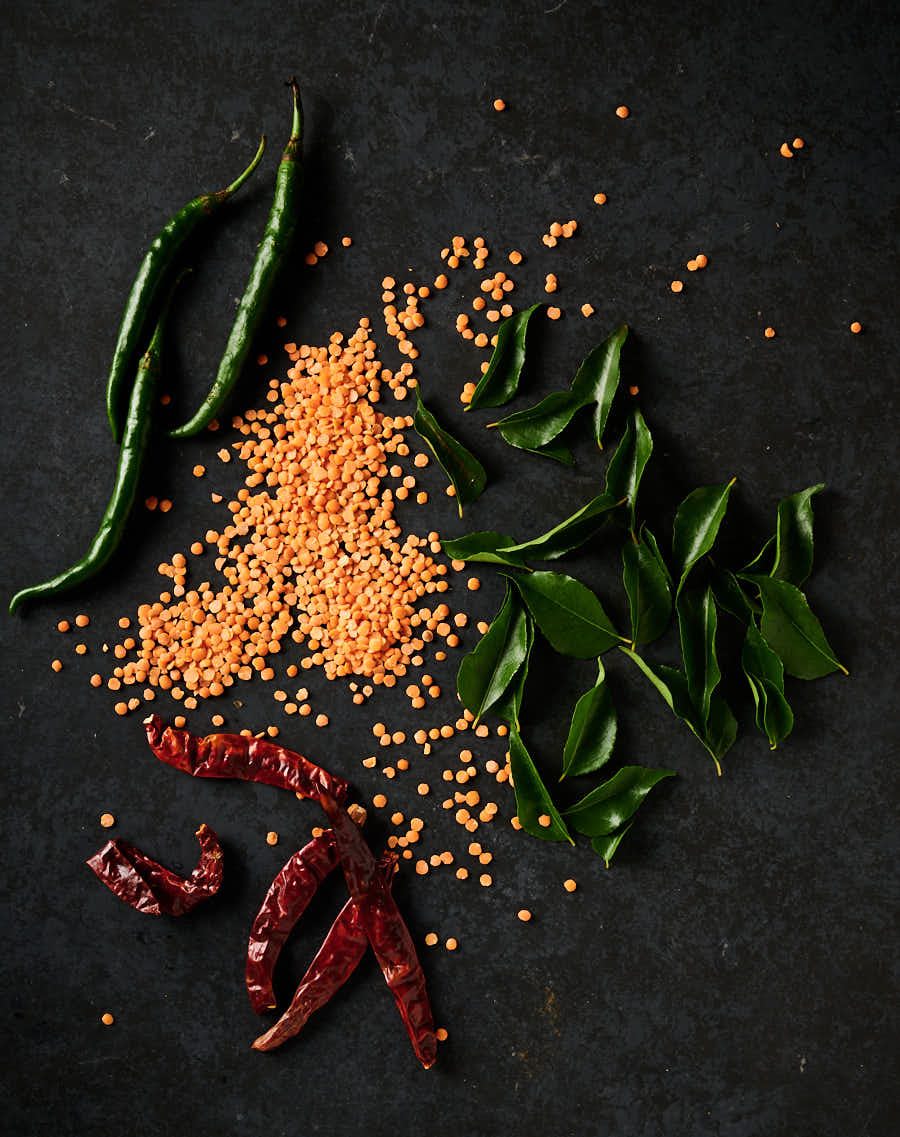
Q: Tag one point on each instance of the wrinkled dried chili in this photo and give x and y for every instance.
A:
(150, 887)
(334, 963)
(284, 904)
(386, 931)
(237, 756)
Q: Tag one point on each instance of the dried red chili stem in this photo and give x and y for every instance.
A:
(387, 933)
(237, 756)
(150, 887)
(284, 904)
(334, 963)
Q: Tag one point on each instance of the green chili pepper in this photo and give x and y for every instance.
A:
(270, 254)
(138, 423)
(154, 270)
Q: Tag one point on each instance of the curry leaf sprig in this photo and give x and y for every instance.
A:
(782, 636)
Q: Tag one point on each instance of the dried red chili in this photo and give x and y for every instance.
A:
(334, 963)
(386, 931)
(236, 756)
(150, 887)
(284, 904)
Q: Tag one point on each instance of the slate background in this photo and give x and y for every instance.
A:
(733, 974)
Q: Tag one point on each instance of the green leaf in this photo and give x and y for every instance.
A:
(609, 806)
(557, 451)
(486, 672)
(790, 629)
(765, 675)
(597, 379)
(794, 536)
(535, 427)
(648, 588)
(730, 597)
(509, 705)
(721, 729)
(568, 614)
(759, 561)
(501, 380)
(607, 845)
(569, 534)
(697, 525)
(532, 798)
(592, 732)
(626, 467)
(697, 633)
(483, 547)
(459, 464)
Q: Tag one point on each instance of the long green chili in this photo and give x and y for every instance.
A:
(154, 270)
(270, 254)
(138, 425)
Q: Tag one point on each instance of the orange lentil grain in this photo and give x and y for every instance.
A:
(856, 327)
(524, 915)
(676, 285)
(499, 105)
(769, 333)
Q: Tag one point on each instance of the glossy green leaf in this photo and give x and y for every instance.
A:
(532, 798)
(608, 807)
(569, 534)
(721, 728)
(482, 547)
(626, 467)
(697, 524)
(764, 557)
(791, 629)
(557, 451)
(459, 464)
(697, 632)
(648, 587)
(794, 536)
(765, 675)
(597, 378)
(568, 614)
(486, 672)
(607, 846)
(592, 732)
(501, 380)
(509, 706)
(535, 427)
(731, 598)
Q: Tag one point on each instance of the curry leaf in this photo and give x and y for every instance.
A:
(730, 597)
(791, 629)
(532, 799)
(648, 587)
(721, 729)
(765, 675)
(486, 672)
(762, 557)
(509, 705)
(501, 380)
(460, 465)
(568, 534)
(535, 427)
(609, 806)
(794, 536)
(626, 467)
(568, 614)
(697, 633)
(597, 378)
(607, 845)
(484, 547)
(558, 451)
(592, 733)
(697, 524)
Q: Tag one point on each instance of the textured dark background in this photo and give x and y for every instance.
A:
(733, 974)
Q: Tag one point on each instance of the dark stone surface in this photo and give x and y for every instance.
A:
(733, 974)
